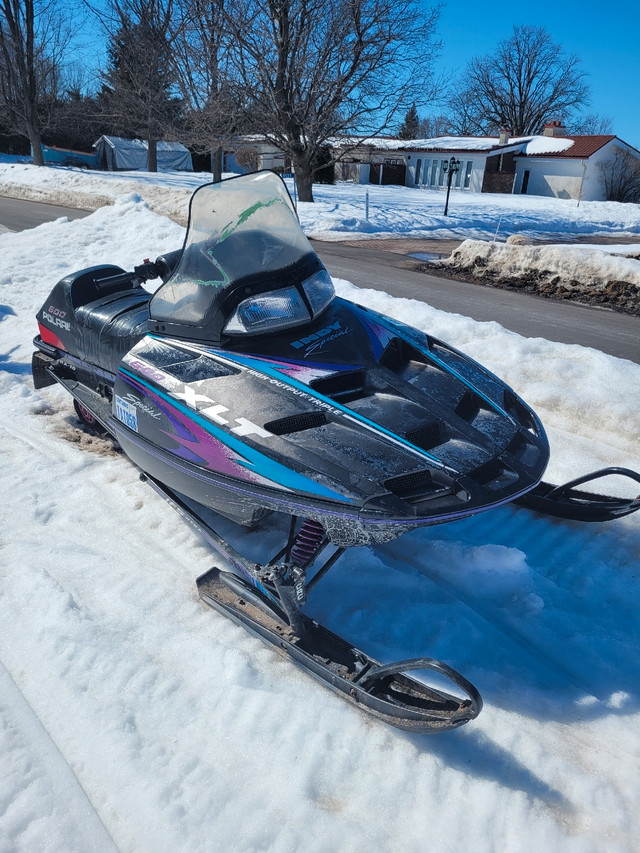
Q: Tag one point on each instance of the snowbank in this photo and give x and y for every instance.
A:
(590, 274)
(345, 211)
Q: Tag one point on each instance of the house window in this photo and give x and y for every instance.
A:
(418, 167)
(459, 177)
(467, 174)
(434, 172)
(441, 173)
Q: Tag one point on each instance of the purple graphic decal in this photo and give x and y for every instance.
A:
(304, 372)
(197, 444)
(379, 335)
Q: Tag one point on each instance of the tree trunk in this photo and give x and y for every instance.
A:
(304, 181)
(216, 164)
(36, 145)
(152, 154)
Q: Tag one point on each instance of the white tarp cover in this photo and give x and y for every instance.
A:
(116, 153)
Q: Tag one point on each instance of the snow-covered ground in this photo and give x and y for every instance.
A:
(340, 211)
(131, 718)
(349, 211)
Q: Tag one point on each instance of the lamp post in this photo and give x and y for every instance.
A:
(450, 168)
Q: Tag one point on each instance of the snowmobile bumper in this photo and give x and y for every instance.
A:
(567, 501)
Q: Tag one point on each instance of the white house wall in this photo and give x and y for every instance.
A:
(594, 184)
(561, 178)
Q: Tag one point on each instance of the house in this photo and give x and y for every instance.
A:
(552, 164)
(115, 153)
(566, 166)
(251, 153)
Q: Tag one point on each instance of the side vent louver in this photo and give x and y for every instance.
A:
(296, 423)
(410, 485)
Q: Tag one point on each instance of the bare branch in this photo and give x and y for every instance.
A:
(524, 83)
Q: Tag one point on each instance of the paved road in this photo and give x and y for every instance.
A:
(532, 316)
(374, 267)
(17, 214)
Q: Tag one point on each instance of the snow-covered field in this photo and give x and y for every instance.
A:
(131, 718)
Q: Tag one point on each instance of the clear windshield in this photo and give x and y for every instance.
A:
(238, 228)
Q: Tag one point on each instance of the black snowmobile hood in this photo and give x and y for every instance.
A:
(358, 409)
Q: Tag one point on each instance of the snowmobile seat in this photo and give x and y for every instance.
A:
(110, 326)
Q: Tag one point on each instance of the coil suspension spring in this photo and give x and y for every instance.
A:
(307, 542)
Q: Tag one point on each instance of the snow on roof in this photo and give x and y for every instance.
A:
(459, 143)
(547, 145)
(531, 146)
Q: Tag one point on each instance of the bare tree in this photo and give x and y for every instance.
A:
(435, 125)
(526, 81)
(33, 40)
(308, 70)
(591, 123)
(137, 87)
(200, 48)
(621, 176)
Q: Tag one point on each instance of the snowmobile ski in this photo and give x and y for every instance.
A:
(382, 691)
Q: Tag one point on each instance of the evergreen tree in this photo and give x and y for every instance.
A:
(410, 127)
(136, 93)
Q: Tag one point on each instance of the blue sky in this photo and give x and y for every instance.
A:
(606, 39)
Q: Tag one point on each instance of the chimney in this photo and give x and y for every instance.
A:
(504, 136)
(554, 128)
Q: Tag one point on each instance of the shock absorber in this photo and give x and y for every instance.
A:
(307, 542)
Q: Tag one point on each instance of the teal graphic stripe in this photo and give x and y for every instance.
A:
(269, 370)
(251, 459)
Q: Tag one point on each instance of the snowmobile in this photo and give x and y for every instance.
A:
(243, 386)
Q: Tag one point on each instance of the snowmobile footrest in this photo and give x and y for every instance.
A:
(380, 690)
(568, 502)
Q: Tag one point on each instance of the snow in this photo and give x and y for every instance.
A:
(547, 145)
(133, 719)
(579, 268)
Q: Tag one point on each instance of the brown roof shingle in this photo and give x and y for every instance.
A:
(583, 146)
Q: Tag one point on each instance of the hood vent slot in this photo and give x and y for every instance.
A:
(427, 436)
(494, 475)
(296, 423)
(342, 387)
(469, 406)
(396, 355)
(412, 485)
